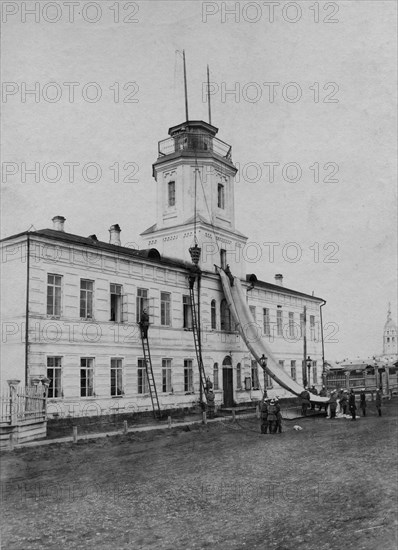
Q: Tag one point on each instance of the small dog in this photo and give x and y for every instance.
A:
(297, 428)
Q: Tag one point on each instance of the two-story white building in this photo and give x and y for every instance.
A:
(71, 304)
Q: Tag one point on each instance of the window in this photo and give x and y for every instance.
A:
(86, 299)
(388, 340)
(166, 376)
(116, 377)
(215, 376)
(54, 295)
(279, 323)
(282, 364)
(253, 312)
(302, 327)
(225, 316)
(238, 376)
(314, 373)
(116, 303)
(291, 325)
(267, 380)
(187, 312)
(86, 377)
(213, 314)
(188, 375)
(171, 187)
(266, 321)
(223, 258)
(293, 372)
(165, 303)
(255, 381)
(141, 302)
(312, 327)
(54, 366)
(142, 382)
(220, 196)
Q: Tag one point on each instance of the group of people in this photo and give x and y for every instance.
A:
(271, 417)
(345, 403)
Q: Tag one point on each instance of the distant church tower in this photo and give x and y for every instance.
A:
(195, 174)
(390, 334)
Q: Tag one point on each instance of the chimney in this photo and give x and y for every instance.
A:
(279, 279)
(58, 222)
(114, 237)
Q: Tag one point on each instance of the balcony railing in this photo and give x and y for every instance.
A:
(194, 142)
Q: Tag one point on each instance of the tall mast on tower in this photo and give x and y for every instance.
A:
(208, 93)
(185, 86)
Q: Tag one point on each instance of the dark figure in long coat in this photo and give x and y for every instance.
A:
(272, 417)
(278, 416)
(264, 416)
(305, 403)
(144, 323)
(352, 405)
(378, 402)
(362, 401)
(333, 404)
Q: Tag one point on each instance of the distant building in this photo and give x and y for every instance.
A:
(371, 372)
(72, 304)
(390, 338)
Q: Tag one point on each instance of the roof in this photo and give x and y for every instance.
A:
(278, 288)
(199, 219)
(151, 254)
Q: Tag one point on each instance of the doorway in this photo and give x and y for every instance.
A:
(227, 381)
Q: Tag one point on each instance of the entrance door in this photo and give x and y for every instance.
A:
(227, 381)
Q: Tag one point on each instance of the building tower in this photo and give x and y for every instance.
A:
(390, 334)
(195, 174)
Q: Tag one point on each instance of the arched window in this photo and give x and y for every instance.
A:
(238, 376)
(225, 316)
(213, 312)
(215, 376)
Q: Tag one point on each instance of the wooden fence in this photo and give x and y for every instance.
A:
(22, 403)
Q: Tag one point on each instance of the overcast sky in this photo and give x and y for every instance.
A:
(333, 110)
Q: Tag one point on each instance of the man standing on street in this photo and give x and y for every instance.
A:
(378, 401)
(362, 401)
(351, 404)
(333, 404)
(264, 415)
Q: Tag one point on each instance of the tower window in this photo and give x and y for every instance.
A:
(171, 193)
(220, 196)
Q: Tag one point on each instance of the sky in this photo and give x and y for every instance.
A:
(305, 88)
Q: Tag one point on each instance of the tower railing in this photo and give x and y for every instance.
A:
(194, 142)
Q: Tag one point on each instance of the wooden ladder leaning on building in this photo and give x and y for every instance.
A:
(149, 371)
(197, 342)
